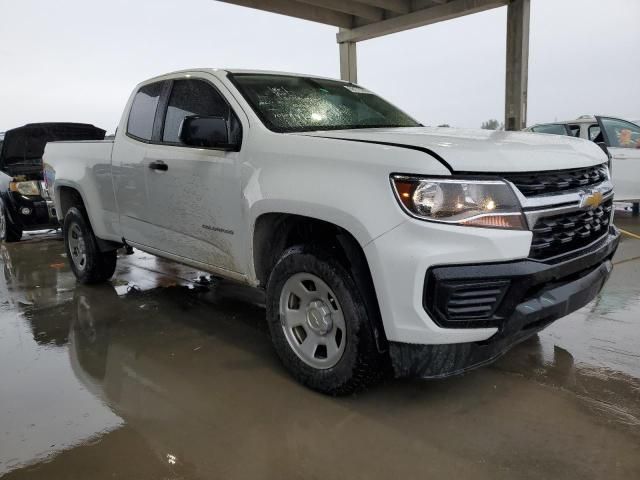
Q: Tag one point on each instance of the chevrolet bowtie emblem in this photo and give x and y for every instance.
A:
(593, 199)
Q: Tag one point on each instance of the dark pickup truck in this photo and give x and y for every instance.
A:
(25, 203)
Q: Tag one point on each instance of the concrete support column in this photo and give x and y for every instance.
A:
(348, 61)
(515, 109)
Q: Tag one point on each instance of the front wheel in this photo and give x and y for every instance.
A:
(87, 262)
(319, 324)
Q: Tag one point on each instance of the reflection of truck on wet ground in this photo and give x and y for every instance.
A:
(25, 203)
(377, 241)
(194, 378)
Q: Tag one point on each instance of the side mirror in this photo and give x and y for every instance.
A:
(208, 132)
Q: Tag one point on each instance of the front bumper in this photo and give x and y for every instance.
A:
(537, 294)
(32, 213)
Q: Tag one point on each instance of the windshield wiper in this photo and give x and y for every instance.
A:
(351, 127)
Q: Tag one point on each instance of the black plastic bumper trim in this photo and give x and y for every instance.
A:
(527, 279)
(529, 317)
(554, 291)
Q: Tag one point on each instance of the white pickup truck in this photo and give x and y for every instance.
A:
(620, 138)
(379, 242)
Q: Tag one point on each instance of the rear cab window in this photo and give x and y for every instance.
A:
(143, 111)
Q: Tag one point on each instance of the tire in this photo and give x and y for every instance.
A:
(310, 288)
(8, 231)
(87, 262)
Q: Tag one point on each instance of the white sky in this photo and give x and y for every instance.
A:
(77, 60)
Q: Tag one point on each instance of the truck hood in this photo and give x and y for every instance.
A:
(483, 150)
(23, 147)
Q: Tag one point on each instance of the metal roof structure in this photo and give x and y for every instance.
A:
(359, 20)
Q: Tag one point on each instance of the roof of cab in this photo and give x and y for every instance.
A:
(580, 119)
(219, 71)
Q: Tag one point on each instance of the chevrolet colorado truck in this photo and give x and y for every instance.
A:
(378, 242)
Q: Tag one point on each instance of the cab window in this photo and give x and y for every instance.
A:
(574, 130)
(143, 111)
(552, 128)
(621, 134)
(194, 97)
(594, 133)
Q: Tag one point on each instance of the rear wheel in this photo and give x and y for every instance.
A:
(8, 231)
(87, 262)
(319, 324)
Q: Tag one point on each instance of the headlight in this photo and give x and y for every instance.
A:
(25, 188)
(481, 203)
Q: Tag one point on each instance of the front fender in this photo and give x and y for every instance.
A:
(324, 212)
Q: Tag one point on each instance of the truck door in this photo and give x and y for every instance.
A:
(194, 194)
(130, 164)
(623, 141)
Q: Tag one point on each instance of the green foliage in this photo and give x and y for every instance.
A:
(492, 124)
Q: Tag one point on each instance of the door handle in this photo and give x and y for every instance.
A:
(159, 165)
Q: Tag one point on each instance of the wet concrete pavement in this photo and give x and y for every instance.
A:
(156, 376)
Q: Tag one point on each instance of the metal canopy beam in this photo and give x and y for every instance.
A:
(367, 12)
(360, 20)
(396, 6)
(418, 18)
(299, 10)
(365, 19)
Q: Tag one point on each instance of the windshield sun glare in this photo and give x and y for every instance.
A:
(293, 104)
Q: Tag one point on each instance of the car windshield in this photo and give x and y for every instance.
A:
(296, 104)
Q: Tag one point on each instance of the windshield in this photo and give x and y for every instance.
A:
(296, 104)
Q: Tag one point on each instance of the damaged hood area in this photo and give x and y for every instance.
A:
(482, 151)
(23, 147)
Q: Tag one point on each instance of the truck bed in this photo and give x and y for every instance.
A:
(86, 162)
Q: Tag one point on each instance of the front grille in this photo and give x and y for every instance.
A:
(563, 233)
(541, 183)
